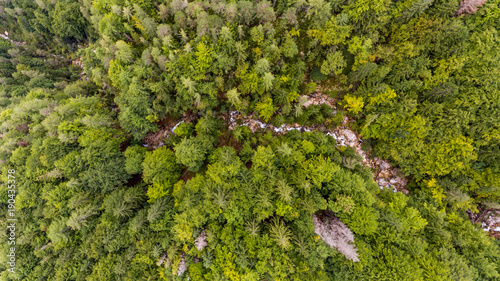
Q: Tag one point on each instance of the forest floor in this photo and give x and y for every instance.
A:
(5, 36)
(490, 221)
(167, 127)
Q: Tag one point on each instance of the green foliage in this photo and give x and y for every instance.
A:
(343, 204)
(265, 109)
(419, 79)
(317, 75)
(280, 233)
(191, 153)
(160, 169)
(363, 220)
(354, 104)
(59, 24)
(334, 64)
(290, 47)
(184, 130)
(454, 154)
(68, 22)
(134, 156)
(136, 110)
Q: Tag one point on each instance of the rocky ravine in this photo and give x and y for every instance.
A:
(385, 175)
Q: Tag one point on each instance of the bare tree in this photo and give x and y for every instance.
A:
(336, 234)
(469, 6)
(201, 241)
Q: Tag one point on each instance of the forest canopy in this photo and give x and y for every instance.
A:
(249, 140)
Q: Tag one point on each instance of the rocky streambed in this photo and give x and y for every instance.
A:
(385, 175)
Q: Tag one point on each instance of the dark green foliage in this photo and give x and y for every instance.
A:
(192, 153)
(134, 156)
(317, 75)
(60, 24)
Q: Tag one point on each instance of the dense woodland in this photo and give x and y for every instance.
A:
(84, 83)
